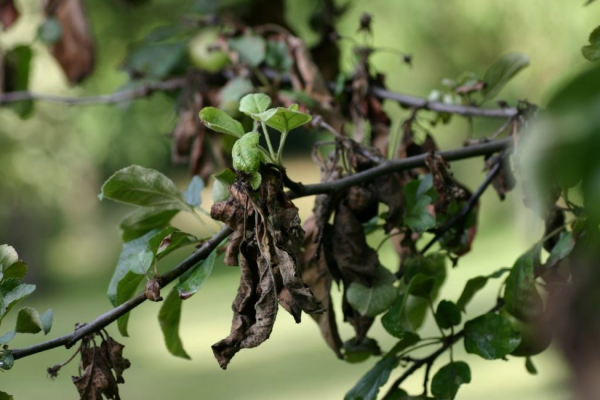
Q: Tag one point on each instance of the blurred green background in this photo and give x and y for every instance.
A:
(53, 164)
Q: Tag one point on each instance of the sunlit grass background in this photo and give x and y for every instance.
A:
(52, 166)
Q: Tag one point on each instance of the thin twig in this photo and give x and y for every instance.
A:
(107, 318)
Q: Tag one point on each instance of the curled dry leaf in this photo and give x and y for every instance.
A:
(505, 181)
(152, 290)
(8, 13)
(74, 51)
(267, 239)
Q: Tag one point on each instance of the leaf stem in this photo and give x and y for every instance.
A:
(268, 139)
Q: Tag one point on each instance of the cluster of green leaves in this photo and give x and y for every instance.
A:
(12, 291)
(149, 237)
(247, 153)
(469, 89)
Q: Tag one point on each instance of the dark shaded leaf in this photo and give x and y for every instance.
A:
(358, 351)
(29, 321)
(418, 199)
(16, 72)
(530, 367)
(143, 220)
(5, 396)
(474, 285)
(278, 56)
(447, 314)
(250, 48)
(12, 291)
(490, 336)
(521, 297)
(561, 249)
(156, 60)
(368, 386)
(169, 318)
(592, 51)
(449, 378)
(372, 301)
(395, 321)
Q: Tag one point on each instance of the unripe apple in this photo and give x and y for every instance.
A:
(203, 54)
(535, 338)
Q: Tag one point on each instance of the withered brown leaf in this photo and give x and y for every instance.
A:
(74, 51)
(8, 13)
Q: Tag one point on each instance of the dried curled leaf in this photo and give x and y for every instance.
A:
(74, 51)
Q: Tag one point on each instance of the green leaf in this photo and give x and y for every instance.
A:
(8, 256)
(233, 91)
(592, 51)
(418, 197)
(255, 103)
(355, 352)
(169, 317)
(5, 339)
(194, 281)
(143, 220)
(368, 386)
(5, 396)
(143, 187)
(502, 71)
(28, 321)
(192, 194)
(220, 121)
(126, 289)
(372, 301)
(17, 270)
(12, 291)
(561, 249)
(171, 242)
(447, 314)
(490, 336)
(47, 318)
(521, 298)
(474, 285)
(447, 380)
(408, 340)
(530, 367)
(278, 56)
(251, 49)
(394, 321)
(17, 71)
(246, 154)
(283, 119)
(223, 181)
(255, 180)
(157, 60)
(50, 31)
(6, 359)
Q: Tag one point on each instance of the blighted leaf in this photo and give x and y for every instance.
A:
(592, 51)
(223, 182)
(220, 121)
(169, 318)
(8, 14)
(502, 71)
(12, 291)
(194, 280)
(283, 119)
(561, 249)
(152, 290)
(449, 378)
(447, 314)
(250, 48)
(173, 241)
(143, 187)
(74, 51)
(143, 220)
(490, 336)
(530, 367)
(193, 192)
(246, 154)
(255, 103)
(521, 298)
(474, 285)
(372, 301)
(30, 321)
(368, 386)
(50, 31)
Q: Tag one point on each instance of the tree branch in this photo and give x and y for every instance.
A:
(107, 318)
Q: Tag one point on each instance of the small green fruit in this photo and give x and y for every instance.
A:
(201, 54)
(534, 339)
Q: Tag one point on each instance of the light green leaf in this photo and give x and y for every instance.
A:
(126, 289)
(192, 194)
(283, 119)
(143, 187)
(502, 71)
(490, 336)
(143, 220)
(220, 121)
(169, 318)
(246, 154)
(8, 256)
(5, 339)
(474, 285)
(256, 180)
(447, 314)
(372, 301)
(592, 51)
(521, 298)
(47, 318)
(561, 249)
(29, 321)
(233, 91)
(223, 182)
(251, 49)
(194, 281)
(368, 386)
(12, 291)
(255, 103)
(447, 380)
